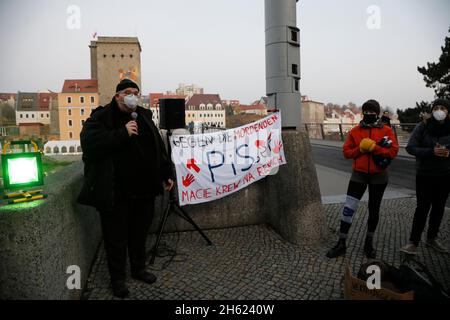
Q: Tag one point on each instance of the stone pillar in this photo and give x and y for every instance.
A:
(292, 202)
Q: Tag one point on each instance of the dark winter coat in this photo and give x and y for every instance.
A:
(106, 144)
(421, 144)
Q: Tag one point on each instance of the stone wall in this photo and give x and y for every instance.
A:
(40, 239)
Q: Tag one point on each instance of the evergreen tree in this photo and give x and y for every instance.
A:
(437, 74)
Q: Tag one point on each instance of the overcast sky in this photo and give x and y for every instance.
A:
(219, 45)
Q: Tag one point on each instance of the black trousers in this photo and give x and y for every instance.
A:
(376, 191)
(125, 229)
(431, 192)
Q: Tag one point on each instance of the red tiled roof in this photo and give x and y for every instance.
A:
(198, 99)
(80, 86)
(154, 98)
(44, 99)
(7, 96)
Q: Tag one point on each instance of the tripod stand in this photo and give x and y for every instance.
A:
(173, 206)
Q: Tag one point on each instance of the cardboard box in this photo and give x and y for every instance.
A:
(356, 289)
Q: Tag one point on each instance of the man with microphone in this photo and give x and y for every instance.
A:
(125, 167)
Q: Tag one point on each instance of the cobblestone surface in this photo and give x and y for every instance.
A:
(254, 262)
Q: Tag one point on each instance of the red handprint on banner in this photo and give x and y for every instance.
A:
(192, 165)
(188, 180)
(278, 146)
(259, 143)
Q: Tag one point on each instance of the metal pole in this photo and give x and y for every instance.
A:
(283, 60)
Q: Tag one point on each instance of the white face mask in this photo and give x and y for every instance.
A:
(131, 101)
(439, 115)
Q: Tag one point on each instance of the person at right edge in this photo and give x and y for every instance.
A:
(430, 142)
(372, 146)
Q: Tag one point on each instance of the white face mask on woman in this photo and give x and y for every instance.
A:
(439, 115)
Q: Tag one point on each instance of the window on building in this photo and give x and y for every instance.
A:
(104, 56)
(32, 115)
(294, 36)
(296, 84)
(48, 115)
(70, 123)
(42, 115)
(294, 68)
(21, 116)
(92, 99)
(69, 112)
(69, 100)
(82, 111)
(113, 55)
(70, 135)
(131, 56)
(121, 55)
(82, 122)
(26, 116)
(81, 99)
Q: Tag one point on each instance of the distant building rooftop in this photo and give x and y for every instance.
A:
(116, 40)
(80, 86)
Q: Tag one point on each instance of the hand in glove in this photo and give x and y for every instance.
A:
(367, 145)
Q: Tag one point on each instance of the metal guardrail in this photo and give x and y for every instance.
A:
(339, 131)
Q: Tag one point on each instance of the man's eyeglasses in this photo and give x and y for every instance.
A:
(137, 94)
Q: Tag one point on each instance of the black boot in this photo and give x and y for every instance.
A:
(369, 250)
(338, 250)
(144, 276)
(120, 289)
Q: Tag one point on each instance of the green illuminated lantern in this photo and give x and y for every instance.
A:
(22, 170)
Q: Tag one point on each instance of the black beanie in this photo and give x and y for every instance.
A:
(126, 83)
(442, 102)
(371, 105)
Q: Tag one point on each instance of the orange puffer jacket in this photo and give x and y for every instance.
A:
(363, 161)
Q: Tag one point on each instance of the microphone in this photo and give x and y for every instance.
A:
(134, 116)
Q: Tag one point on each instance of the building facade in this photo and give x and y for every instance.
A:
(76, 101)
(188, 90)
(258, 109)
(312, 111)
(205, 109)
(9, 98)
(33, 112)
(113, 59)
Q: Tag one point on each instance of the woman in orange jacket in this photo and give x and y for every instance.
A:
(372, 145)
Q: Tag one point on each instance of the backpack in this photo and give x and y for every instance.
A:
(415, 276)
(411, 275)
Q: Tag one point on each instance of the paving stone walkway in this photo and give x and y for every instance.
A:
(254, 262)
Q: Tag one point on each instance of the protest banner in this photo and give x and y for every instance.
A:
(213, 165)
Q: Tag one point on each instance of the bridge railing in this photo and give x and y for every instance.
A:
(339, 131)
